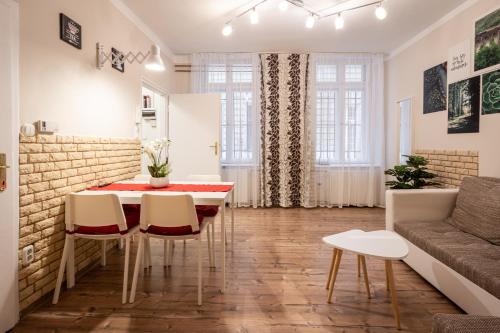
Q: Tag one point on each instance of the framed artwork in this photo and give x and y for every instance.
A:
(491, 93)
(487, 41)
(459, 61)
(463, 106)
(435, 81)
(117, 60)
(70, 31)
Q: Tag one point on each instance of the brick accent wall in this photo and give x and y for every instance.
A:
(451, 166)
(49, 168)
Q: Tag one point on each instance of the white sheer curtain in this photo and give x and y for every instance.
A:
(236, 76)
(348, 115)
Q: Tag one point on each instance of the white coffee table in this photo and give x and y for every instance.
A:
(382, 244)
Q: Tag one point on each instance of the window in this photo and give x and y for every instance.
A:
(234, 82)
(340, 113)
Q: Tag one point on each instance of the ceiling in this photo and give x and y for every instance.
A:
(189, 26)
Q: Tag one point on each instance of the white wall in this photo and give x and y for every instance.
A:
(61, 83)
(404, 78)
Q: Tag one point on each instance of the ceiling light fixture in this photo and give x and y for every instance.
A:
(154, 62)
(227, 30)
(283, 6)
(339, 22)
(254, 16)
(380, 12)
(310, 21)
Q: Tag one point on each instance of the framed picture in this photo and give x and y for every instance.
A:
(463, 106)
(70, 31)
(459, 61)
(435, 81)
(491, 93)
(487, 41)
(117, 60)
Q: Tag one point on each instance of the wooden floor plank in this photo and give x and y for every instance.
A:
(276, 277)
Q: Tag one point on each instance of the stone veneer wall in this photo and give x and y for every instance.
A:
(451, 166)
(49, 168)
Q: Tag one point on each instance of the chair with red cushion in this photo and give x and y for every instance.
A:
(100, 217)
(169, 218)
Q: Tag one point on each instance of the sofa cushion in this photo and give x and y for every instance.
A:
(478, 208)
(459, 323)
(470, 256)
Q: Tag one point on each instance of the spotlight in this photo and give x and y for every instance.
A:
(254, 17)
(339, 22)
(283, 5)
(380, 12)
(228, 30)
(310, 21)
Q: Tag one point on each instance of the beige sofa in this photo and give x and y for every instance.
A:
(464, 267)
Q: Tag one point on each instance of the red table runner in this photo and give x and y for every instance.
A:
(169, 188)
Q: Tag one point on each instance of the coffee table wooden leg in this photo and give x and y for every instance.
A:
(392, 287)
(365, 274)
(386, 279)
(334, 277)
(331, 268)
(359, 265)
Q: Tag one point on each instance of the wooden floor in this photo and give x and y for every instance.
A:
(276, 283)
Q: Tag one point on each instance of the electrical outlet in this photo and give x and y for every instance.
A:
(28, 255)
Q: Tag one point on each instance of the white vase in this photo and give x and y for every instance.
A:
(159, 182)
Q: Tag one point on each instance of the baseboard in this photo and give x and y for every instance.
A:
(463, 292)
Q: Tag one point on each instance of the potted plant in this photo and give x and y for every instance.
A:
(159, 167)
(412, 175)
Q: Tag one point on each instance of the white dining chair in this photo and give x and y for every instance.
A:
(180, 223)
(99, 217)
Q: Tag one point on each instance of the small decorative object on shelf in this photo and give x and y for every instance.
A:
(412, 175)
(159, 169)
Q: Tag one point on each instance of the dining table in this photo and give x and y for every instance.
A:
(203, 193)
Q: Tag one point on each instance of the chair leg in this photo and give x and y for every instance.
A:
(209, 243)
(125, 270)
(171, 254)
(150, 263)
(103, 253)
(165, 252)
(121, 243)
(200, 285)
(138, 259)
(213, 243)
(60, 275)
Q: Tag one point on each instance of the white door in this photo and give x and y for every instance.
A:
(9, 202)
(152, 128)
(405, 130)
(194, 127)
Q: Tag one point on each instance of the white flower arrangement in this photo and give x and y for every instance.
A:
(157, 153)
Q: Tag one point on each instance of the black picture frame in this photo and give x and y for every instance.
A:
(435, 88)
(70, 31)
(118, 65)
(464, 106)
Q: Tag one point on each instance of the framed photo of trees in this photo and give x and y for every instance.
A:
(464, 98)
(487, 41)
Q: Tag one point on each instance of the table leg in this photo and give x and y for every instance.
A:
(70, 263)
(394, 298)
(223, 245)
(232, 219)
(365, 274)
(386, 279)
(359, 265)
(331, 268)
(334, 277)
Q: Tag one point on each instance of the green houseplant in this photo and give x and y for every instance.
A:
(159, 167)
(412, 175)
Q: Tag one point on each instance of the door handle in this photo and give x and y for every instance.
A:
(215, 146)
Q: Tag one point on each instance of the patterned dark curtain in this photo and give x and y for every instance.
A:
(286, 142)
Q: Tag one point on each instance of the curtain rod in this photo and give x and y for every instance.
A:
(282, 52)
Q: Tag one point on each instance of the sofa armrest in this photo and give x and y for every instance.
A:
(458, 323)
(418, 205)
